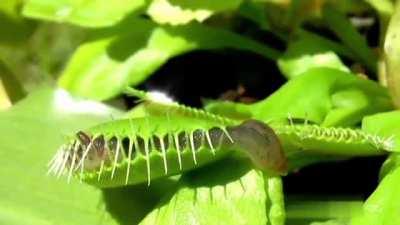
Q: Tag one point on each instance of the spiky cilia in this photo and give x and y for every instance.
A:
(133, 150)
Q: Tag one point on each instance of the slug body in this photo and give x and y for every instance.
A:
(260, 143)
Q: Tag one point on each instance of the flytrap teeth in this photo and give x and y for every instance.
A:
(95, 154)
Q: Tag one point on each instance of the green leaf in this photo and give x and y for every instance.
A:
(232, 194)
(95, 13)
(130, 204)
(326, 96)
(348, 34)
(327, 43)
(383, 206)
(308, 51)
(392, 56)
(15, 29)
(390, 164)
(386, 125)
(322, 210)
(177, 12)
(255, 11)
(31, 131)
(299, 11)
(102, 68)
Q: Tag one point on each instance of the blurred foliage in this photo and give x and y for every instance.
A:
(382, 207)
(333, 98)
(49, 113)
(132, 56)
(16, 28)
(307, 51)
(43, 55)
(97, 13)
(392, 48)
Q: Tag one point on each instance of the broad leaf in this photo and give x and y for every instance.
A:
(102, 68)
(95, 13)
(308, 51)
(31, 131)
(323, 95)
(383, 206)
(232, 194)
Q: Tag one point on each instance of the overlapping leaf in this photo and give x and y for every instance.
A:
(323, 95)
(102, 68)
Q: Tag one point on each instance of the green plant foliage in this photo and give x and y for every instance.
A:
(171, 139)
(321, 211)
(176, 12)
(329, 222)
(347, 33)
(54, 114)
(331, 141)
(390, 164)
(84, 13)
(333, 98)
(50, 114)
(102, 68)
(304, 144)
(384, 124)
(255, 12)
(15, 28)
(382, 207)
(392, 50)
(148, 162)
(233, 193)
(308, 51)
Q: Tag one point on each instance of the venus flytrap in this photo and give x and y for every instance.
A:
(135, 150)
(295, 137)
(130, 151)
(174, 138)
(332, 140)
